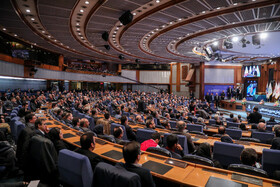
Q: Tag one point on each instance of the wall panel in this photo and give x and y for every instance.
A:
(219, 75)
(11, 69)
(161, 77)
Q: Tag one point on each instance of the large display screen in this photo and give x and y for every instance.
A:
(252, 71)
(251, 89)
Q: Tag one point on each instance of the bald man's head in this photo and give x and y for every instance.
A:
(181, 125)
(221, 129)
(262, 126)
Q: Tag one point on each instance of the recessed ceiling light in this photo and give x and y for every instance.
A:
(180, 19)
(32, 19)
(234, 4)
(4, 29)
(163, 26)
(82, 37)
(87, 2)
(27, 10)
(117, 28)
(218, 8)
(81, 10)
(79, 34)
(170, 22)
(134, 13)
(15, 34)
(77, 23)
(49, 36)
(43, 31)
(235, 39)
(55, 40)
(157, 1)
(203, 12)
(263, 35)
(120, 24)
(215, 43)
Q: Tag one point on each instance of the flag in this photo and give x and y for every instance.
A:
(266, 91)
(278, 91)
(276, 95)
(274, 92)
(269, 90)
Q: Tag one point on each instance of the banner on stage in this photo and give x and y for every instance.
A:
(216, 89)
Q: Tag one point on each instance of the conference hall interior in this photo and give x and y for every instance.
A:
(131, 93)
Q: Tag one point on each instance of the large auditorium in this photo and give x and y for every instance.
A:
(131, 93)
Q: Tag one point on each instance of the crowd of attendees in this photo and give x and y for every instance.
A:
(125, 107)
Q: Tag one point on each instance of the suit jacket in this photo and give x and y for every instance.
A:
(191, 145)
(144, 174)
(93, 158)
(275, 143)
(254, 117)
(129, 133)
(141, 106)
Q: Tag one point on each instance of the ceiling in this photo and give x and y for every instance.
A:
(162, 31)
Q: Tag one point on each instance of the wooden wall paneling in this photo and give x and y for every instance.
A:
(60, 62)
(11, 59)
(178, 77)
(137, 75)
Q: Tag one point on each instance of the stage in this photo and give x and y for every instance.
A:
(267, 109)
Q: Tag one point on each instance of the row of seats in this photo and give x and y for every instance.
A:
(15, 123)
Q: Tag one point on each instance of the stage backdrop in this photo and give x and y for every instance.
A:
(216, 89)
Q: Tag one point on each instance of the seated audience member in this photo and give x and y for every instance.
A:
(87, 141)
(261, 127)
(30, 120)
(118, 135)
(219, 122)
(40, 128)
(150, 124)
(167, 116)
(235, 120)
(139, 120)
(242, 126)
(94, 113)
(98, 130)
(153, 142)
(249, 157)
(222, 133)
(129, 132)
(239, 118)
(272, 119)
(231, 115)
(181, 130)
(76, 124)
(23, 111)
(56, 137)
(173, 145)
(255, 116)
(200, 121)
(106, 123)
(204, 150)
(84, 125)
(68, 119)
(132, 155)
(276, 141)
(118, 114)
(59, 114)
(166, 124)
(3, 126)
(7, 156)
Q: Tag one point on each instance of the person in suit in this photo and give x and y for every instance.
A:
(191, 95)
(276, 141)
(132, 155)
(207, 97)
(217, 100)
(172, 142)
(30, 120)
(56, 137)
(181, 130)
(229, 92)
(150, 124)
(141, 105)
(223, 95)
(118, 135)
(255, 116)
(40, 128)
(118, 114)
(139, 120)
(84, 125)
(249, 157)
(129, 132)
(87, 141)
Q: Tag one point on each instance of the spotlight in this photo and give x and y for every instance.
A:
(263, 35)
(215, 43)
(228, 44)
(256, 39)
(235, 39)
(126, 18)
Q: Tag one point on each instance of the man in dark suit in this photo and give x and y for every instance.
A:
(255, 116)
(129, 132)
(191, 95)
(131, 155)
(141, 105)
(223, 95)
(87, 141)
(172, 142)
(40, 128)
(217, 100)
(276, 141)
(208, 97)
(229, 92)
